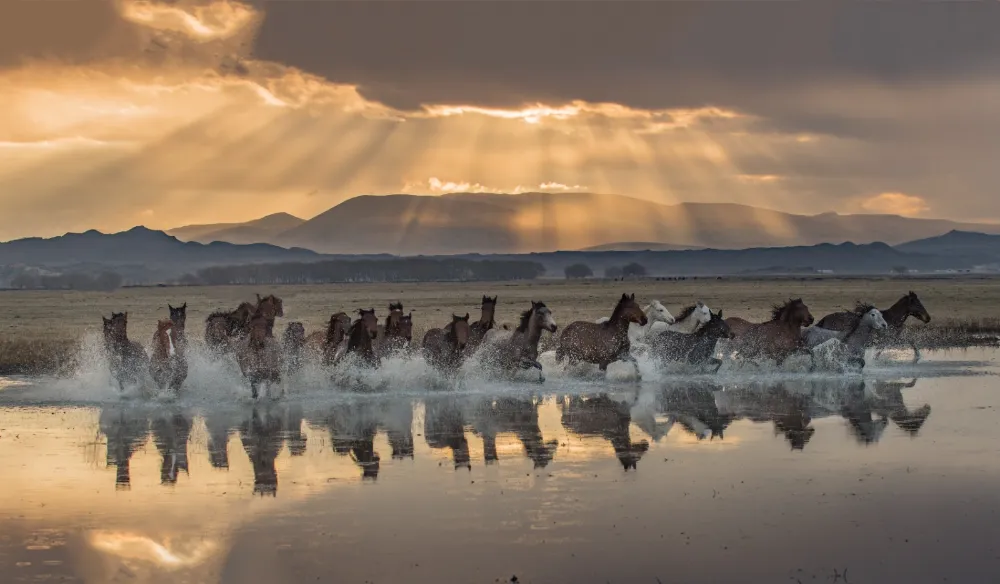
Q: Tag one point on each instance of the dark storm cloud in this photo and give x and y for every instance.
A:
(644, 54)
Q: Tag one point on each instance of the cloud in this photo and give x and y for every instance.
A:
(895, 204)
(434, 185)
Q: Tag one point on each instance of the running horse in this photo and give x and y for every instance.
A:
(778, 338)
(259, 356)
(444, 348)
(360, 337)
(605, 343)
(697, 348)
(165, 364)
(126, 359)
(895, 317)
(486, 322)
(178, 316)
(397, 333)
(224, 329)
(511, 351)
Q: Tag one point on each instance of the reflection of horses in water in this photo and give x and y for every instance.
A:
(170, 434)
(126, 359)
(605, 343)
(888, 402)
(609, 419)
(517, 416)
(126, 432)
(261, 438)
(352, 429)
(444, 427)
(396, 418)
(694, 408)
(219, 425)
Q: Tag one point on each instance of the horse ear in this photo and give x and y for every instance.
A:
(169, 307)
(258, 298)
(184, 306)
(466, 316)
(720, 313)
(106, 320)
(700, 304)
(632, 297)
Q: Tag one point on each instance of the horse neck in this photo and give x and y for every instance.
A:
(618, 316)
(688, 323)
(860, 334)
(360, 339)
(487, 317)
(896, 314)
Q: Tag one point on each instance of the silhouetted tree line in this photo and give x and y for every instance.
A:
(632, 270)
(104, 281)
(578, 271)
(397, 270)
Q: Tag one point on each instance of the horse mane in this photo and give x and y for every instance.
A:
(686, 312)
(218, 314)
(617, 311)
(396, 306)
(357, 326)
(861, 308)
(777, 310)
(526, 318)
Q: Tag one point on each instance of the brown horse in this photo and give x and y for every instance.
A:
(513, 351)
(397, 333)
(178, 315)
(259, 356)
(269, 307)
(164, 356)
(478, 329)
(895, 316)
(604, 343)
(444, 348)
(778, 338)
(223, 329)
(126, 359)
(360, 337)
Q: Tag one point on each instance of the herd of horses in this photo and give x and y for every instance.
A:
(247, 334)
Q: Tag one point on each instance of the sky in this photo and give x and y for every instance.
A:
(164, 113)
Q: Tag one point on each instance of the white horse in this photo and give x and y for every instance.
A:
(839, 347)
(691, 318)
(655, 312)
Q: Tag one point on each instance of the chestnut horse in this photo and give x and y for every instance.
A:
(126, 359)
(165, 364)
(269, 307)
(445, 347)
(778, 338)
(604, 343)
(259, 356)
(478, 329)
(178, 315)
(223, 328)
(895, 317)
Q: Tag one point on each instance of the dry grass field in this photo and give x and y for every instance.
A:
(39, 330)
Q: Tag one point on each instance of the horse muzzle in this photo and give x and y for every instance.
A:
(643, 321)
(925, 318)
(552, 328)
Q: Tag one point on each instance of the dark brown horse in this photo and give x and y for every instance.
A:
(697, 348)
(397, 333)
(178, 315)
(895, 316)
(444, 348)
(223, 329)
(778, 338)
(126, 359)
(478, 329)
(259, 356)
(512, 351)
(163, 359)
(269, 307)
(360, 337)
(604, 343)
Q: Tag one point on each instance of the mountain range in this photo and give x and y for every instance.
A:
(463, 223)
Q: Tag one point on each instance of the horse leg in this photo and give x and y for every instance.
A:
(635, 364)
(717, 363)
(253, 386)
(916, 352)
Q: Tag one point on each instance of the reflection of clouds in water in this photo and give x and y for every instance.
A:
(172, 554)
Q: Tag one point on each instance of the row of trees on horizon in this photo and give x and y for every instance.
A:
(581, 271)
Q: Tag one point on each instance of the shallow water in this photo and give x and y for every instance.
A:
(750, 475)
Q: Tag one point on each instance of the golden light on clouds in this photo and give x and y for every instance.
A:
(218, 20)
(896, 204)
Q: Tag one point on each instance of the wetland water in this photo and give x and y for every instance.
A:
(890, 476)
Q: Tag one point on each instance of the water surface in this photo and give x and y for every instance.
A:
(887, 477)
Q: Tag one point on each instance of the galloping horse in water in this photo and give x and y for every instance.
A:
(697, 348)
(396, 335)
(178, 316)
(223, 329)
(691, 318)
(269, 307)
(517, 350)
(486, 322)
(292, 342)
(126, 359)
(259, 356)
(895, 317)
(360, 337)
(444, 347)
(778, 338)
(605, 343)
(165, 365)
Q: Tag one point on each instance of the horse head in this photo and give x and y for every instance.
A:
(178, 315)
(916, 309)
(657, 312)
(543, 316)
(405, 328)
(370, 321)
(794, 312)
(630, 311)
(460, 328)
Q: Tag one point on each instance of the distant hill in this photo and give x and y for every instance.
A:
(638, 246)
(139, 253)
(542, 222)
(982, 247)
(260, 230)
